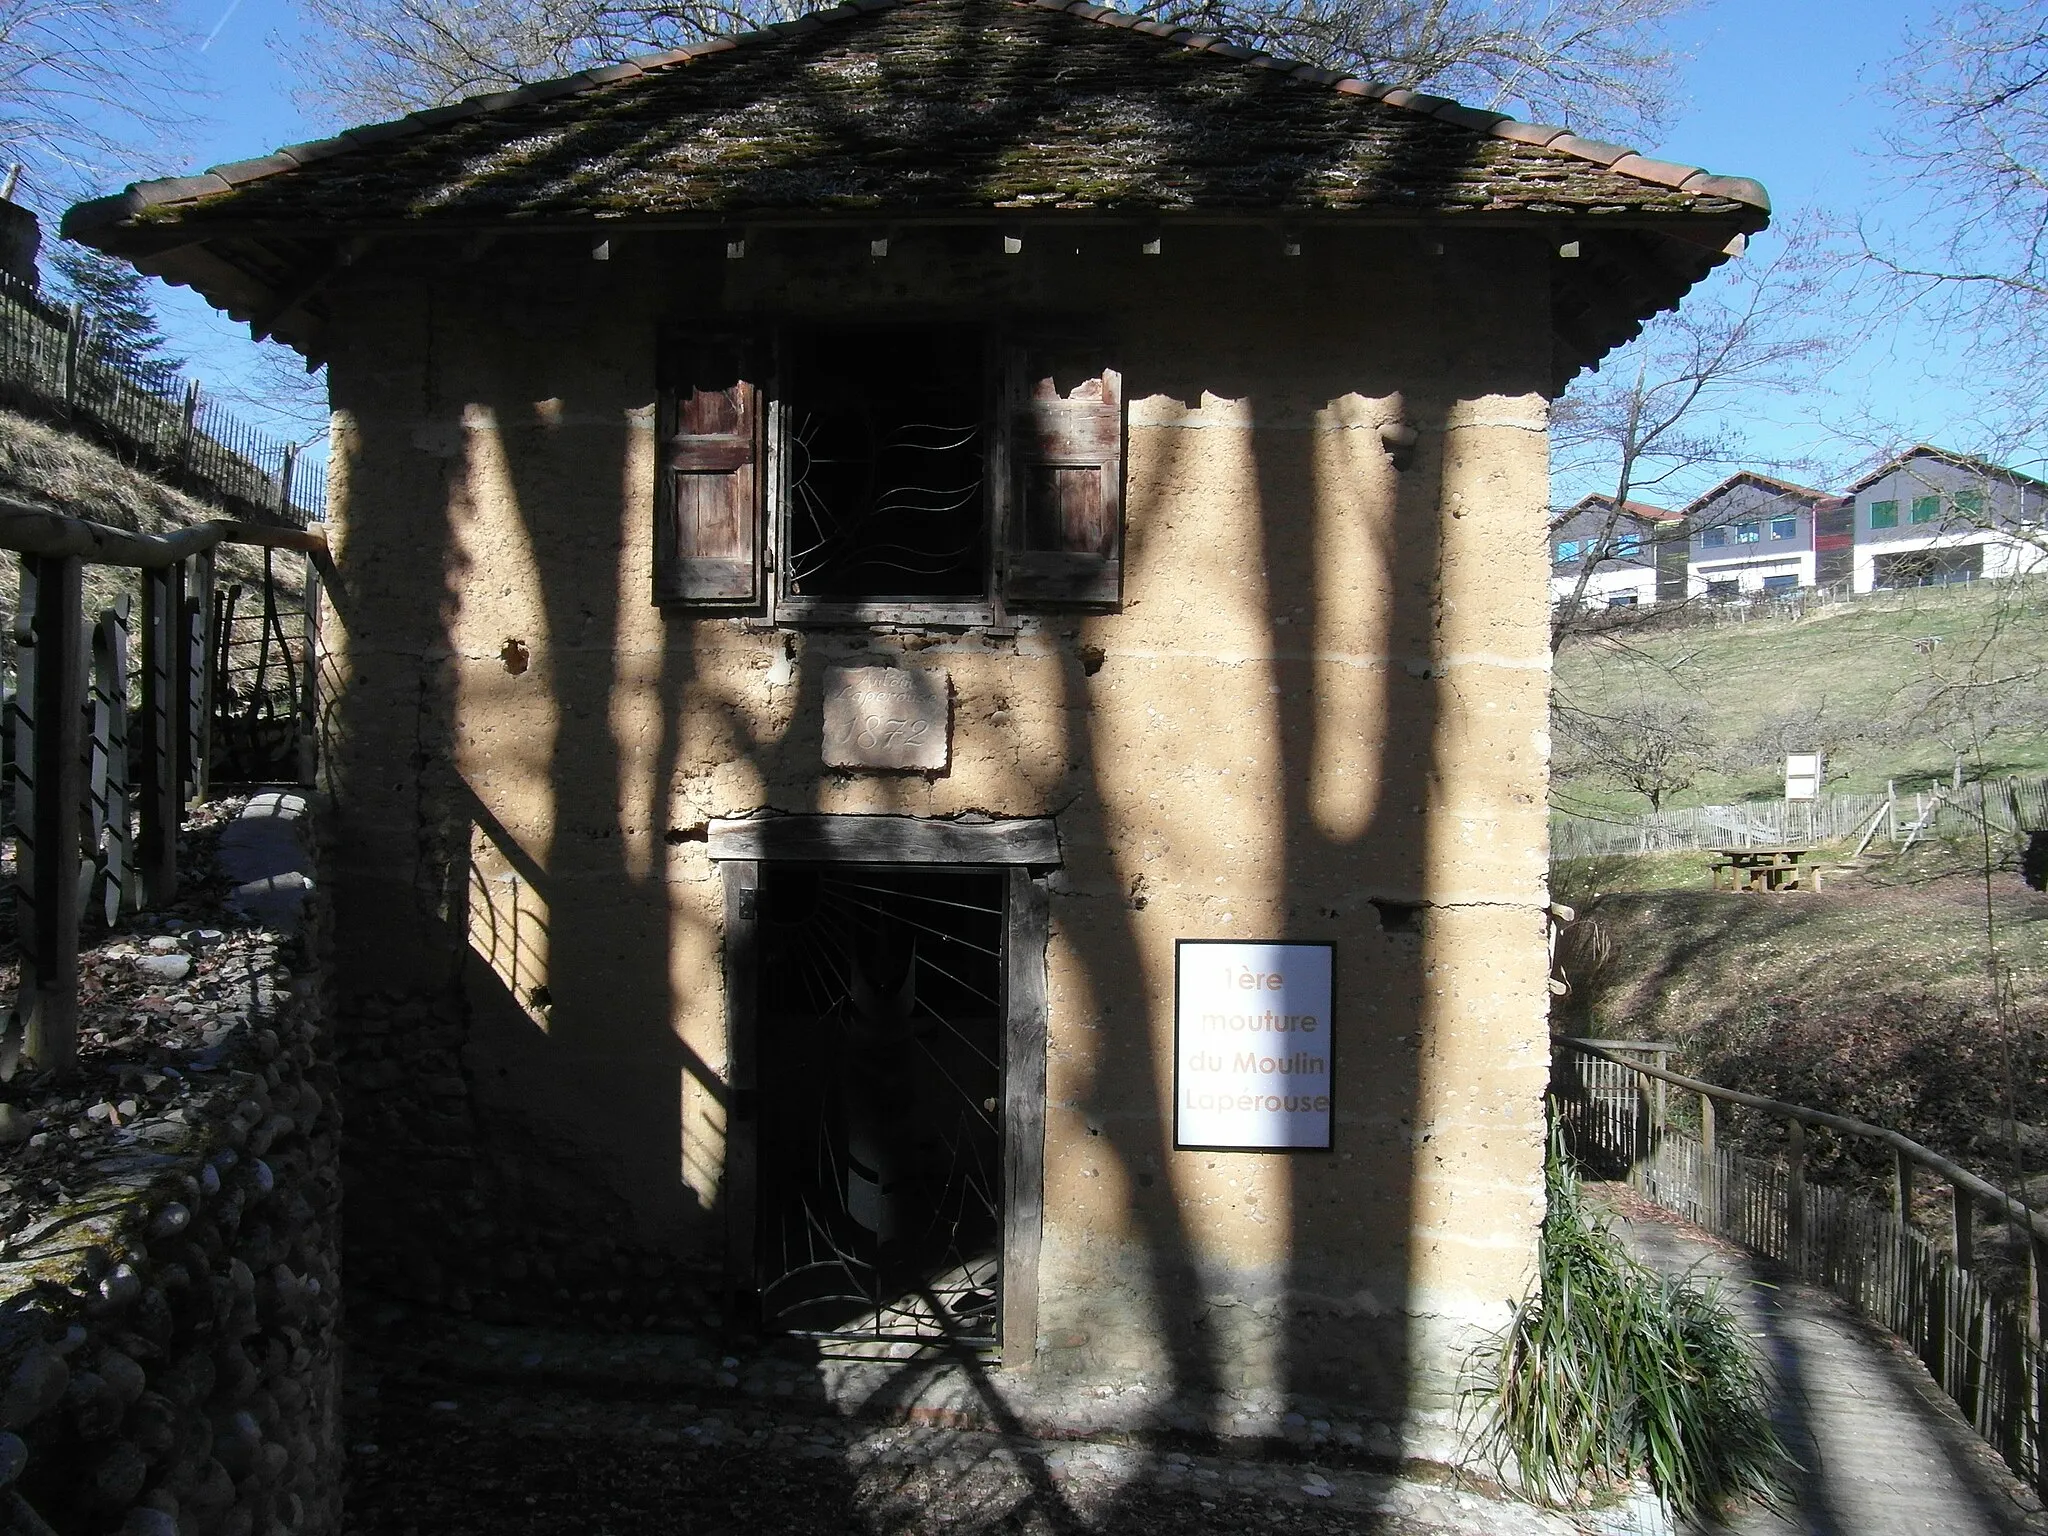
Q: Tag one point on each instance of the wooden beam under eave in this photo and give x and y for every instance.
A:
(309, 282)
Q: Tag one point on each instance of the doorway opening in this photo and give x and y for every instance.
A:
(880, 1075)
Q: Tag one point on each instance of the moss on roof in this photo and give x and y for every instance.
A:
(938, 105)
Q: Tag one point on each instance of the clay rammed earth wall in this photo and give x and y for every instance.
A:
(1320, 714)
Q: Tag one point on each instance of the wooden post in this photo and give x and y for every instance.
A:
(196, 666)
(74, 341)
(1902, 1188)
(162, 595)
(191, 427)
(1707, 1124)
(1657, 1110)
(1961, 1224)
(284, 481)
(1023, 1114)
(742, 878)
(50, 645)
(1795, 1195)
(309, 682)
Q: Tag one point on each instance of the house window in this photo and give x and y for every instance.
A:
(1568, 549)
(1748, 533)
(1781, 583)
(1714, 538)
(884, 463)
(886, 474)
(1622, 600)
(1628, 544)
(1884, 514)
(1724, 591)
(1926, 508)
(1971, 504)
(1784, 528)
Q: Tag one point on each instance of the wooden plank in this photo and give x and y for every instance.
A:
(309, 683)
(1024, 1029)
(47, 855)
(1795, 1196)
(742, 1123)
(34, 531)
(886, 840)
(159, 805)
(195, 725)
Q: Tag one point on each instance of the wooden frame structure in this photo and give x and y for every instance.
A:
(1026, 850)
(55, 658)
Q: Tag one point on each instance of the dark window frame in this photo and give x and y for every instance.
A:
(1048, 422)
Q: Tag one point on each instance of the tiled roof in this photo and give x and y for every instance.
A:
(959, 111)
(1769, 483)
(1960, 460)
(929, 105)
(1637, 509)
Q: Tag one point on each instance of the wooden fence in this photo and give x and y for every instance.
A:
(1985, 1349)
(50, 367)
(71, 743)
(2009, 808)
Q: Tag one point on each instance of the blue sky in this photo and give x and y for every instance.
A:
(1786, 91)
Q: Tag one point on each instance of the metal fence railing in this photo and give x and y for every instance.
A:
(1984, 1348)
(2009, 808)
(51, 368)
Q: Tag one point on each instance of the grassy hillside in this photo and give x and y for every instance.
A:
(1888, 687)
(1870, 999)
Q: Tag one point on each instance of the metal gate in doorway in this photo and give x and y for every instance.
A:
(879, 1084)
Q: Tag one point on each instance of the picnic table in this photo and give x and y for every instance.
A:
(1764, 867)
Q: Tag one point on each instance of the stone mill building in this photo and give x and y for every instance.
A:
(936, 700)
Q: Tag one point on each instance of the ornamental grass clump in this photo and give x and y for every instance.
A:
(1609, 1372)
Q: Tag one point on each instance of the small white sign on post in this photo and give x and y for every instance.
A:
(1251, 1045)
(1802, 775)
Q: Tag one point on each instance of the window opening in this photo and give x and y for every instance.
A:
(1781, 583)
(1628, 544)
(1784, 527)
(1720, 591)
(1568, 550)
(881, 1071)
(1714, 538)
(885, 464)
(1926, 508)
(1747, 533)
(1884, 514)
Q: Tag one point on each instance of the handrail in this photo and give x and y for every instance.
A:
(1958, 1177)
(36, 531)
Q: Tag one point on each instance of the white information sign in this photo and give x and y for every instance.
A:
(1802, 776)
(1251, 1045)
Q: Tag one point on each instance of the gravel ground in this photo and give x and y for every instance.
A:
(435, 1457)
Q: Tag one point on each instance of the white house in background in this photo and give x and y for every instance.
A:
(1930, 517)
(1622, 552)
(1752, 534)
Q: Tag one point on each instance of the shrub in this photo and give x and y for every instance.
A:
(1609, 1371)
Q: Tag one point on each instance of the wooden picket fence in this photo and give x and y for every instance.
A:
(2008, 808)
(90, 833)
(50, 367)
(1984, 1349)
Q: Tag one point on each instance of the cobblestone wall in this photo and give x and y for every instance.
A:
(169, 1287)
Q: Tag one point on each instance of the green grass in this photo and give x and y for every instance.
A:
(1851, 681)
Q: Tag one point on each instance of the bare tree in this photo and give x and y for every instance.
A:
(1651, 746)
(1666, 407)
(84, 86)
(1590, 63)
(1971, 136)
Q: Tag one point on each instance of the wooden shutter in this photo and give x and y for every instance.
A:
(1066, 513)
(708, 512)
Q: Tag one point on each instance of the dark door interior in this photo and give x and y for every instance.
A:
(880, 1074)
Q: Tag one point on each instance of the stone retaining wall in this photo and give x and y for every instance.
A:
(169, 1287)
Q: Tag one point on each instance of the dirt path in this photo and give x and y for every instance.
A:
(433, 1455)
(1883, 1451)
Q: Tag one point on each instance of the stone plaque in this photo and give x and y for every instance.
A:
(887, 717)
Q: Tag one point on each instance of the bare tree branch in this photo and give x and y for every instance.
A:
(1588, 63)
